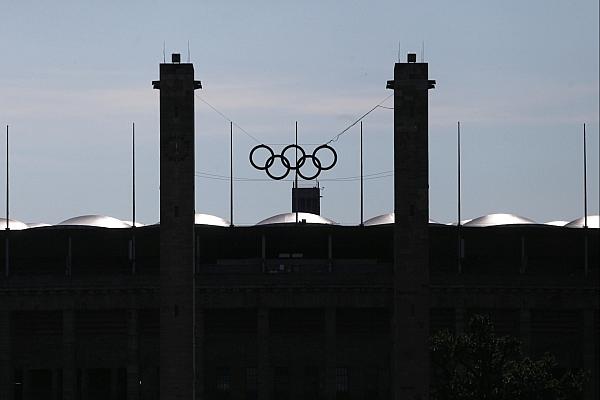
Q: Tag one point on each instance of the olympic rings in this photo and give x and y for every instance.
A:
(324, 146)
(285, 161)
(300, 161)
(316, 163)
(267, 165)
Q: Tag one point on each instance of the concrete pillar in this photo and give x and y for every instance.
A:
(459, 320)
(114, 383)
(410, 321)
(330, 252)
(199, 362)
(84, 383)
(55, 384)
(523, 267)
(264, 364)
(330, 353)
(68, 342)
(133, 368)
(6, 370)
(26, 384)
(177, 170)
(590, 343)
(525, 330)
(263, 251)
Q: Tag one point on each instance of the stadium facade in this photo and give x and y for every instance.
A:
(94, 308)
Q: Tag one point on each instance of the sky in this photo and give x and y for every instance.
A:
(522, 77)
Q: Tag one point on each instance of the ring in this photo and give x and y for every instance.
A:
(300, 161)
(267, 165)
(321, 147)
(284, 161)
(316, 163)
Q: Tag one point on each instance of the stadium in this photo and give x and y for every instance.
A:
(293, 307)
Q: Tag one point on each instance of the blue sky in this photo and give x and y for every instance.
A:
(522, 77)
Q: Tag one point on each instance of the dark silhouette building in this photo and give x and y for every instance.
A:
(282, 310)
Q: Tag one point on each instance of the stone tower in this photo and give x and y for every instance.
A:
(410, 320)
(176, 87)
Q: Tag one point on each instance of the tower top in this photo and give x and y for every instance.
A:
(411, 72)
(176, 71)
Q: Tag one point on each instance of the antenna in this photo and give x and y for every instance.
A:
(133, 198)
(458, 223)
(585, 225)
(133, 173)
(188, 52)
(7, 186)
(423, 51)
(361, 177)
(585, 218)
(6, 243)
(458, 172)
(164, 53)
(296, 177)
(399, 51)
(231, 173)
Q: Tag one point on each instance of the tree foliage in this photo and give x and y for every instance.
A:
(478, 365)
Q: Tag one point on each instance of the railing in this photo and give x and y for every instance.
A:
(294, 265)
(295, 272)
(52, 282)
(513, 279)
(289, 271)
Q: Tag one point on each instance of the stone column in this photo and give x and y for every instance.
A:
(84, 384)
(459, 320)
(133, 368)
(330, 353)
(55, 384)
(68, 342)
(114, 383)
(264, 365)
(263, 251)
(26, 384)
(330, 252)
(411, 298)
(523, 267)
(199, 362)
(6, 370)
(525, 330)
(177, 179)
(590, 341)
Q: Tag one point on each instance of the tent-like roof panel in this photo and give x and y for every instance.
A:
(388, 218)
(100, 221)
(592, 222)
(499, 219)
(290, 218)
